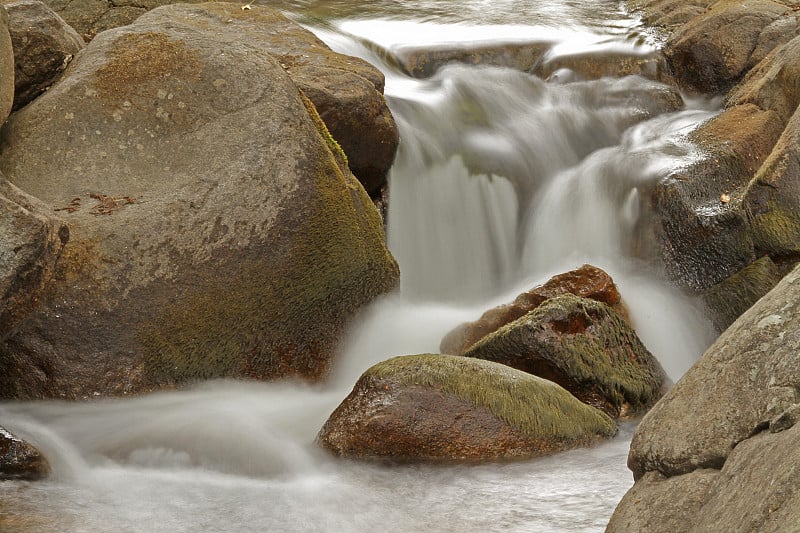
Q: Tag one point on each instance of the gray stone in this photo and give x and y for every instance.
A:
(750, 375)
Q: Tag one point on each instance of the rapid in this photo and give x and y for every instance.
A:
(503, 179)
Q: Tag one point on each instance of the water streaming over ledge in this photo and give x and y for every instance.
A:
(502, 180)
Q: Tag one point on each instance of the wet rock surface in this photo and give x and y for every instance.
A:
(214, 226)
(6, 67)
(19, 459)
(586, 281)
(440, 408)
(584, 346)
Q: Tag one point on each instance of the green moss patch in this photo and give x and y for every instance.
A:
(535, 406)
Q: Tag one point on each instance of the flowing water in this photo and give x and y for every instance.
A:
(502, 180)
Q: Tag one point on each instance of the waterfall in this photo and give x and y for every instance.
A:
(502, 180)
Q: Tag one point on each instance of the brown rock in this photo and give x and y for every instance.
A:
(214, 227)
(713, 51)
(30, 242)
(20, 460)
(447, 408)
(584, 346)
(43, 47)
(587, 281)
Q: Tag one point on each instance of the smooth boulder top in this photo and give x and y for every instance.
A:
(434, 407)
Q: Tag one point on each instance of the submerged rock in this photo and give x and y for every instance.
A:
(586, 281)
(20, 460)
(447, 408)
(43, 47)
(215, 229)
(584, 346)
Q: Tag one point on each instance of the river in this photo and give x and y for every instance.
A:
(502, 180)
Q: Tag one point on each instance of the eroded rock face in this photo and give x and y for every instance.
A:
(43, 47)
(447, 408)
(586, 281)
(585, 347)
(215, 229)
(20, 460)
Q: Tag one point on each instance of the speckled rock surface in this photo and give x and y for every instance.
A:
(19, 459)
(215, 229)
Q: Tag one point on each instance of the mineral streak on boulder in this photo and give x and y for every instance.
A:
(447, 408)
(214, 227)
(43, 47)
(20, 460)
(586, 281)
(584, 346)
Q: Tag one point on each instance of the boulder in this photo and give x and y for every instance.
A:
(347, 91)
(443, 408)
(593, 65)
(43, 47)
(19, 459)
(584, 346)
(712, 51)
(31, 240)
(90, 17)
(586, 281)
(748, 377)
(6, 67)
(215, 229)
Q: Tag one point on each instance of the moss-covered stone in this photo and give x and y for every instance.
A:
(445, 408)
(730, 298)
(586, 348)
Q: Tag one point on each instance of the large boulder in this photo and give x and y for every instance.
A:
(43, 47)
(584, 346)
(347, 91)
(586, 281)
(215, 229)
(747, 378)
(447, 408)
(712, 51)
(6, 67)
(19, 459)
(31, 240)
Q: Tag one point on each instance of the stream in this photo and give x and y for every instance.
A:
(503, 179)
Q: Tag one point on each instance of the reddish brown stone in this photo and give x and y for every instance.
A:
(587, 281)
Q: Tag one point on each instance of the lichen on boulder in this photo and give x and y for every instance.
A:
(447, 408)
(585, 347)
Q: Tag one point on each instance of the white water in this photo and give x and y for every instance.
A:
(502, 180)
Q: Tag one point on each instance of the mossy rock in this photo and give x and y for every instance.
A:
(444, 408)
(730, 298)
(586, 281)
(584, 346)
